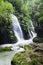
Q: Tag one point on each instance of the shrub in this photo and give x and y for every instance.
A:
(38, 40)
(5, 49)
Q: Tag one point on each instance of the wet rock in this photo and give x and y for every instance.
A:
(38, 49)
(26, 34)
(13, 63)
(39, 31)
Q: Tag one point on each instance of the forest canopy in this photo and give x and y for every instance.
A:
(5, 9)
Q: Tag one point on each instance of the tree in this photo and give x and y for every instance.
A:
(6, 9)
(38, 11)
(37, 15)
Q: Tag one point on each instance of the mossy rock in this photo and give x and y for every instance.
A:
(38, 40)
(2, 49)
(22, 58)
(27, 57)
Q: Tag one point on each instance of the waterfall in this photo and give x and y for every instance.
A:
(19, 35)
(16, 28)
(32, 31)
(18, 31)
(16, 47)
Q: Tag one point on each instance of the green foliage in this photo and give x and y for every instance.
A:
(38, 11)
(6, 8)
(28, 57)
(2, 49)
(40, 7)
(21, 57)
(40, 19)
(23, 9)
(38, 40)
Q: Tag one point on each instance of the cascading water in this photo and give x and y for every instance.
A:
(16, 28)
(7, 56)
(32, 31)
(18, 31)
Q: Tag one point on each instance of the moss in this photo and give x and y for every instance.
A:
(37, 59)
(21, 58)
(38, 40)
(5, 49)
(29, 47)
(27, 57)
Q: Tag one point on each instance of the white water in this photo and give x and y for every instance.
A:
(5, 57)
(18, 31)
(32, 31)
(16, 28)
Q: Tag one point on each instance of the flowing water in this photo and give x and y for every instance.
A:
(16, 28)
(18, 31)
(5, 57)
(33, 31)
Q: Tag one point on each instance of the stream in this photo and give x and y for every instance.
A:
(6, 57)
